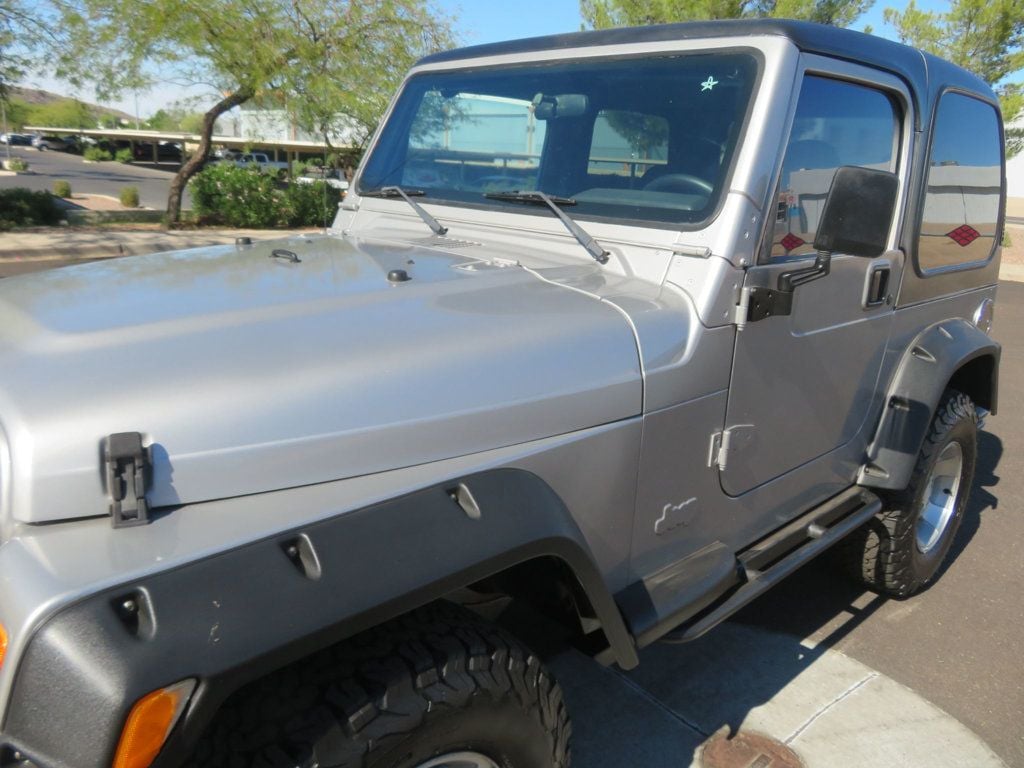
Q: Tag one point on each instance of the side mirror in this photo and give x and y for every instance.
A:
(857, 212)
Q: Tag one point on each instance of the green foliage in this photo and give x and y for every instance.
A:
(175, 118)
(602, 14)
(130, 197)
(238, 197)
(338, 61)
(16, 164)
(62, 188)
(310, 205)
(22, 207)
(243, 197)
(124, 155)
(97, 154)
(984, 36)
(63, 113)
(18, 112)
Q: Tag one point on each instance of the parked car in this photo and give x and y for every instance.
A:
(165, 150)
(43, 143)
(16, 139)
(330, 176)
(260, 160)
(303, 501)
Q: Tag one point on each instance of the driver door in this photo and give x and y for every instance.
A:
(802, 383)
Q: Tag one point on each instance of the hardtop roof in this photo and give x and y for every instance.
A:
(910, 64)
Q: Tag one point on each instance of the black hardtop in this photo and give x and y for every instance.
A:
(913, 66)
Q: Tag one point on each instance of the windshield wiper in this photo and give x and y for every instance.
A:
(407, 195)
(540, 198)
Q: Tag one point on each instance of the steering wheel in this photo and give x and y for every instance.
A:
(680, 182)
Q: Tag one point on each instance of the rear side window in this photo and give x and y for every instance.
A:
(960, 218)
(837, 123)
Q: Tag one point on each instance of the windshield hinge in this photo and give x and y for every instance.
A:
(128, 468)
(728, 441)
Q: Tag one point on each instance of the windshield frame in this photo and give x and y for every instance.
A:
(682, 48)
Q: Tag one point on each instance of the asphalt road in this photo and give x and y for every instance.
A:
(959, 643)
(152, 181)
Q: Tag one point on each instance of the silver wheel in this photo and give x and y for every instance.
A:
(942, 492)
(460, 760)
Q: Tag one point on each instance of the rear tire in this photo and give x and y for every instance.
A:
(901, 550)
(438, 687)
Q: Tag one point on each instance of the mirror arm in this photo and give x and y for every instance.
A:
(788, 281)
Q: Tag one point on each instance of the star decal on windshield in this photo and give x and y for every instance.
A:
(708, 84)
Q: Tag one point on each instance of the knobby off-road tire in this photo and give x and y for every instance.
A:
(900, 551)
(439, 681)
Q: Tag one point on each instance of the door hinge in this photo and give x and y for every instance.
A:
(758, 303)
(128, 469)
(728, 441)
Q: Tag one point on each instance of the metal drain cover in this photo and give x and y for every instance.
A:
(746, 750)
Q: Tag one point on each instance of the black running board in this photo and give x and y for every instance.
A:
(767, 562)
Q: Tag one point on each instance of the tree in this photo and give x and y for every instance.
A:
(984, 36)
(601, 14)
(339, 54)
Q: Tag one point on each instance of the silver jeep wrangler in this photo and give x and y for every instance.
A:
(614, 331)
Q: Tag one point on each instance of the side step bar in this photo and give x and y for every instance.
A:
(767, 562)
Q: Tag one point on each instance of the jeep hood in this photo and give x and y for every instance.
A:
(247, 372)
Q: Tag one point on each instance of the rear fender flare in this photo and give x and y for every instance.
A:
(952, 352)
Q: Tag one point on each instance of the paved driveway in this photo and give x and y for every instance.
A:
(93, 178)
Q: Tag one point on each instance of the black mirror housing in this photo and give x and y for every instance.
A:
(858, 212)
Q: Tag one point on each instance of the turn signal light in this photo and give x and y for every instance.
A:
(3, 644)
(150, 723)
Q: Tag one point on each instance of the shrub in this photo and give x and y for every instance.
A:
(224, 193)
(62, 188)
(130, 197)
(22, 207)
(243, 197)
(16, 164)
(123, 155)
(97, 154)
(311, 205)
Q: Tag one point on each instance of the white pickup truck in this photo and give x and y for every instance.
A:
(261, 159)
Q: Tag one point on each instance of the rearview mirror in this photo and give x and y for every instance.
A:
(551, 106)
(858, 212)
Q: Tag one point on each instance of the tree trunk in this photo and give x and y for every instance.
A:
(195, 162)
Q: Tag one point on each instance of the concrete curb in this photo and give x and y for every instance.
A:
(830, 709)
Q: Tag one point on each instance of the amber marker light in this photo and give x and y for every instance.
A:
(3, 644)
(150, 723)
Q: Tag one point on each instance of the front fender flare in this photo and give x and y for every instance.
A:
(928, 366)
(232, 617)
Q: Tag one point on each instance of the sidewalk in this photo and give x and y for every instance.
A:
(64, 243)
(829, 709)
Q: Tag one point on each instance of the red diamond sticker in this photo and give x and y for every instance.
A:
(791, 242)
(964, 235)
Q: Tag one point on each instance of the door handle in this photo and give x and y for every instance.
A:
(876, 292)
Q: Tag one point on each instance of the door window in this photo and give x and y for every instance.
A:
(965, 172)
(836, 123)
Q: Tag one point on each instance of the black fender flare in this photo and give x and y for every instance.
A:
(230, 618)
(941, 355)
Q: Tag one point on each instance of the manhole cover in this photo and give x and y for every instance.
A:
(747, 750)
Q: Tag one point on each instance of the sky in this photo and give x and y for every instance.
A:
(477, 22)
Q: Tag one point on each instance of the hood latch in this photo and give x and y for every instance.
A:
(128, 469)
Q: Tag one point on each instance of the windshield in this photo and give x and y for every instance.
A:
(648, 139)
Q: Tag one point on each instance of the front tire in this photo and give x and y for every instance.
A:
(437, 688)
(901, 550)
